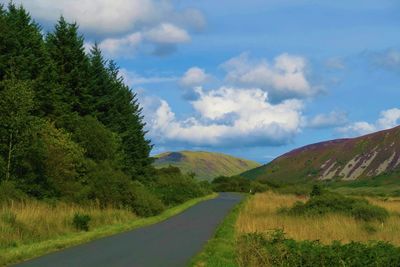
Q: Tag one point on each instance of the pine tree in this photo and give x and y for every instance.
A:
(23, 56)
(66, 49)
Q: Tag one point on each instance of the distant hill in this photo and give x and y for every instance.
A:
(369, 156)
(206, 165)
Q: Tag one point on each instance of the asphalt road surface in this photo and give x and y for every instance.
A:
(171, 243)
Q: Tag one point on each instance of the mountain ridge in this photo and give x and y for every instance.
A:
(345, 159)
(206, 165)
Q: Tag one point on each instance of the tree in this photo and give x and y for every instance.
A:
(66, 49)
(16, 121)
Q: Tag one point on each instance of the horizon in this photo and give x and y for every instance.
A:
(255, 80)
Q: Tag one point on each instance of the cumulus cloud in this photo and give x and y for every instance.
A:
(388, 119)
(167, 33)
(228, 116)
(286, 77)
(124, 25)
(194, 76)
(126, 45)
(100, 16)
(332, 119)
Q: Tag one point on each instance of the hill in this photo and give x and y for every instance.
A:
(206, 165)
(370, 156)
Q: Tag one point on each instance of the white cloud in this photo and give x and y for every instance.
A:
(167, 33)
(123, 25)
(388, 119)
(194, 76)
(100, 16)
(285, 78)
(228, 116)
(126, 45)
(332, 119)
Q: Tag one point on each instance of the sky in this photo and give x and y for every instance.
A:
(252, 78)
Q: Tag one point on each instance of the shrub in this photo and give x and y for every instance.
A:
(173, 187)
(367, 212)
(328, 202)
(316, 191)
(81, 222)
(8, 192)
(144, 202)
(237, 184)
(274, 249)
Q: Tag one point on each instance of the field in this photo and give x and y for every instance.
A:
(261, 215)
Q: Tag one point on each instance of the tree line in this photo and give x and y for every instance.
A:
(70, 128)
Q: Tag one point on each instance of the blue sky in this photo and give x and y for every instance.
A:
(250, 78)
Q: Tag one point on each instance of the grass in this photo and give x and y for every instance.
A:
(220, 251)
(44, 228)
(260, 214)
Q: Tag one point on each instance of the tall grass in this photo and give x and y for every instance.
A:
(261, 215)
(33, 221)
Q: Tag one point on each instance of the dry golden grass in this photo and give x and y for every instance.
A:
(260, 215)
(34, 221)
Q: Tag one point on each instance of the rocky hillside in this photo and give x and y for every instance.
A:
(343, 159)
(205, 165)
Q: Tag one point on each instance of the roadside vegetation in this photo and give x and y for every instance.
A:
(322, 229)
(29, 229)
(237, 184)
(220, 251)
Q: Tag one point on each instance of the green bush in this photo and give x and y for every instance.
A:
(367, 212)
(81, 222)
(329, 202)
(173, 187)
(274, 249)
(8, 192)
(237, 184)
(144, 202)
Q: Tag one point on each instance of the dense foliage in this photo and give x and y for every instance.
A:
(237, 184)
(70, 129)
(323, 202)
(276, 250)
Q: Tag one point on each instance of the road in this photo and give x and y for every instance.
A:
(170, 243)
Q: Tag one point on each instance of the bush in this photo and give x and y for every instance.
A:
(367, 212)
(173, 187)
(144, 202)
(237, 184)
(8, 192)
(274, 249)
(81, 222)
(328, 202)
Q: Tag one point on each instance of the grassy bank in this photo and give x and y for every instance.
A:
(261, 214)
(31, 229)
(220, 251)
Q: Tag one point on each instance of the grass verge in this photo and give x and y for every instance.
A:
(17, 254)
(220, 251)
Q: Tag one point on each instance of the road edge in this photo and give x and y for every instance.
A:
(220, 250)
(27, 252)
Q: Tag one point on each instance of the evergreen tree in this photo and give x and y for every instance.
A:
(23, 56)
(66, 49)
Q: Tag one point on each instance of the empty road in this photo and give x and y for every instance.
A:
(170, 243)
